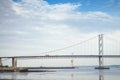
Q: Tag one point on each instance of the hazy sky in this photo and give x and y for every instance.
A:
(30, 27)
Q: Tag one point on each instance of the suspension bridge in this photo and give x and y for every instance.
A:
(96, 47)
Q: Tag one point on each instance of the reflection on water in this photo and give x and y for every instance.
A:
(72, 76)
(64, 75)
(15, 74)
(101, 74)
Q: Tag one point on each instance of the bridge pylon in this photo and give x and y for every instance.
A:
(100, 46)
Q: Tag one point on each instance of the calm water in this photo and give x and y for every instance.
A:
(81, 73)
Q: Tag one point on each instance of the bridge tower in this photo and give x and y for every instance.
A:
(100, 47)
(101, 63)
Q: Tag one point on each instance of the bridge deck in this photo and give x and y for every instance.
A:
(66, 56)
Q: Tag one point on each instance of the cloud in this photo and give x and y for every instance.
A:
(34, 26)
(13, 32)
(58, 12)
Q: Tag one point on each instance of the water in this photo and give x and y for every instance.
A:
(80, 73)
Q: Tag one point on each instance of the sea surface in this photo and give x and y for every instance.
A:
(79, 73)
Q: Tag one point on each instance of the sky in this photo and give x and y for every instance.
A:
(31, 27)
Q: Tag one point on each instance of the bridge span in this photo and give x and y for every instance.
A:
(15, 68)
(65, 56)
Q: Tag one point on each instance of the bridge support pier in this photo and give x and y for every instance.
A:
(101, 61)
(0, 62)
(14, 63)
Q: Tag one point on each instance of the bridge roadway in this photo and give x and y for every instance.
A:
(66, 56)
